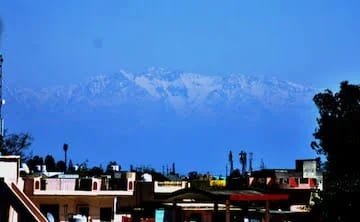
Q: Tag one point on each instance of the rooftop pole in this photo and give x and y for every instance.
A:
(1, 99)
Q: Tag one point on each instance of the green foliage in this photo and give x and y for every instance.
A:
(194, 175)
(83, 169)
(50, 163)
(33, 161)
(96, 171)
(60, 166)
(71, 167)
(109, 169)
(338, 139)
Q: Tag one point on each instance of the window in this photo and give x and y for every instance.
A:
(284, 180)
(83, 210)
(293, 181)
(43, 184)
(261, 180)
(304, 180)
(313, 182)
(37, 185)
(105, 214)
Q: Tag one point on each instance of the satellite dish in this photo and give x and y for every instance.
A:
(25, 168)
(50, 217)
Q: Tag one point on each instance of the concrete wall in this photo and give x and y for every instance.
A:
(70, 205)
(9, 168)
(60, 184)
(169, 186)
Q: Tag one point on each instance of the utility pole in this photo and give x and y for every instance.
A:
(2, 102)
(242, 157)
(250, 162)
(231, 162)
(65, 148)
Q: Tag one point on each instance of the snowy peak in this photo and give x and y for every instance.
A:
(178, 90)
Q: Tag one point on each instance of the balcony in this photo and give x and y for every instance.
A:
(79, 186)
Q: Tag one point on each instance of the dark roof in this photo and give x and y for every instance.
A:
(194, 194)
(198, 195)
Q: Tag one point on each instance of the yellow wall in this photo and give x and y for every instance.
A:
(218, 183)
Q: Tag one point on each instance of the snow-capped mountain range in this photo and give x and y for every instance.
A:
(181, 91)
(162, 116)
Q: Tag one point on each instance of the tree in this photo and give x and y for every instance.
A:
(96, 171)
(337, 137)
(194, 175)
(109, 167)
(83, 170)
(50, 163)
(71, 167)
(60, 166)
(34, 161)
(16, 144)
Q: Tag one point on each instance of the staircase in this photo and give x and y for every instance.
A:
(19, 201)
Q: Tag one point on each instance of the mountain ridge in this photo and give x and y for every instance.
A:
(179, 89)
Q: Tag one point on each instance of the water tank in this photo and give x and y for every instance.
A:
(38, 168)
(115, 168)
(25, 168)
(44, 169)
(77, 218)
(146, 177)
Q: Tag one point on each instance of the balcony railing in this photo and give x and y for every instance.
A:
(79, 186)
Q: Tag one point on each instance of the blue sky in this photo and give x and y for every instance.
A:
(59, 42)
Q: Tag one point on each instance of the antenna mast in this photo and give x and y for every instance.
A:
(231, 162)
(250, 162)
(1, 99)
(242, 157)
